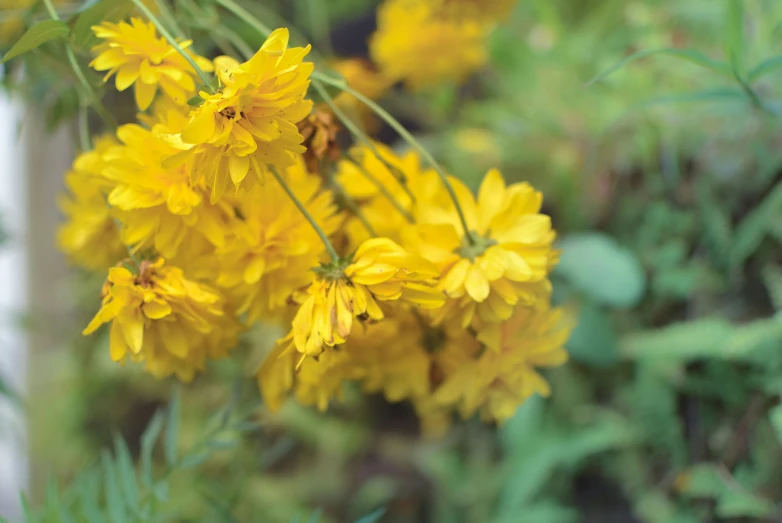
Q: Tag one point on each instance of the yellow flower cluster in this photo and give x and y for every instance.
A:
(208, 220)
(429, 42)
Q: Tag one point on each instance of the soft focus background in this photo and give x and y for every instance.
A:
(664, 181)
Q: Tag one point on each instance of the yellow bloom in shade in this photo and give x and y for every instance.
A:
(89, 235)
(508, 259)
(415, 45)
(273, 247)
(250, 124)
(159, 207)
(499, 381)
(136, 55)
(380, 271)
(165, 320)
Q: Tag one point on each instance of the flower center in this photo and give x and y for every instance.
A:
(229, 112)
(475, 248)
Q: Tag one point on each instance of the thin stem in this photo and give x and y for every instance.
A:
(323, 237)
(245, 15)
(172, 41)
(169, 17)
(363, 138)
(352, 206)
(405, 134)
(383, 189)
(84, 129)
(98, 105)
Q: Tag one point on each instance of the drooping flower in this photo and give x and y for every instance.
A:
(320, 130)
(250, 123)
(504, 262)
(273, 247)
(159, 317)
(89, 236)
(136, 55)
(380, 271)
(159, 206)
(415, 45)
(499, 381)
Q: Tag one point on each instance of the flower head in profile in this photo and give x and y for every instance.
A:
(422, 49)
(136, 55)
(380, 271)
(250, 123)
(159, 317)
(505, 260)
(273, 246)
(498, 381)
(89, 235)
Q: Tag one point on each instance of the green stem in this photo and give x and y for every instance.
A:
(352, 206)
(382, 188)
(363, 138)
(172, 41)
(98, 105)
(405, 134)
(84, 129)
(323, 236)
(245, 15)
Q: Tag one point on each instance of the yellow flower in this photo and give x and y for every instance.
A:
(499, 381)
(89, 236)
(401, 357)
(382, 215)
(135, 53)
(380, 271)
(414, 45)
(165, 320)
(506, 263)
(159, 206)
(273, 247)
(250, 124)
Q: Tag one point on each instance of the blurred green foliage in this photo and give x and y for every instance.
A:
(653, 129)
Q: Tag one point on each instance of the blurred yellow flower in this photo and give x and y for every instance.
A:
(136, 55)
(273, 247)
(250, 124)
(499, 381)
(89, 235)
(422, 49)
(165, 320)
(505, 262)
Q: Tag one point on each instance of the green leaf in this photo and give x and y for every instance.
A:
(172, 428)
(733, 499)
(754, 228)
(765, 67)
(775, 417)
(114, 501)
(193, 460)
(221, 510)
(734, 38)
(593, 341)
(716, 224)
(706, 338)
(37, 35)
(689, 55)
(374, 517)
(772, 278)
(195, 101)
(126, 472)
(103, 11)
(148, 441)
(596, 265)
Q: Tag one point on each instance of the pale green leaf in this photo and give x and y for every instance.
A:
(172, 428)
(373, 517)
(126, 472)
(148, 441)
(36, 36)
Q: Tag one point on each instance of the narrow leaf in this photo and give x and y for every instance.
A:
(374, 517)
(193, 460)
(765, 67)
(36, 36)
(221, 510)
(172, 428)
(689, 55)
(116, 506)
(734, 38)
(126, 472)
(148, 441)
